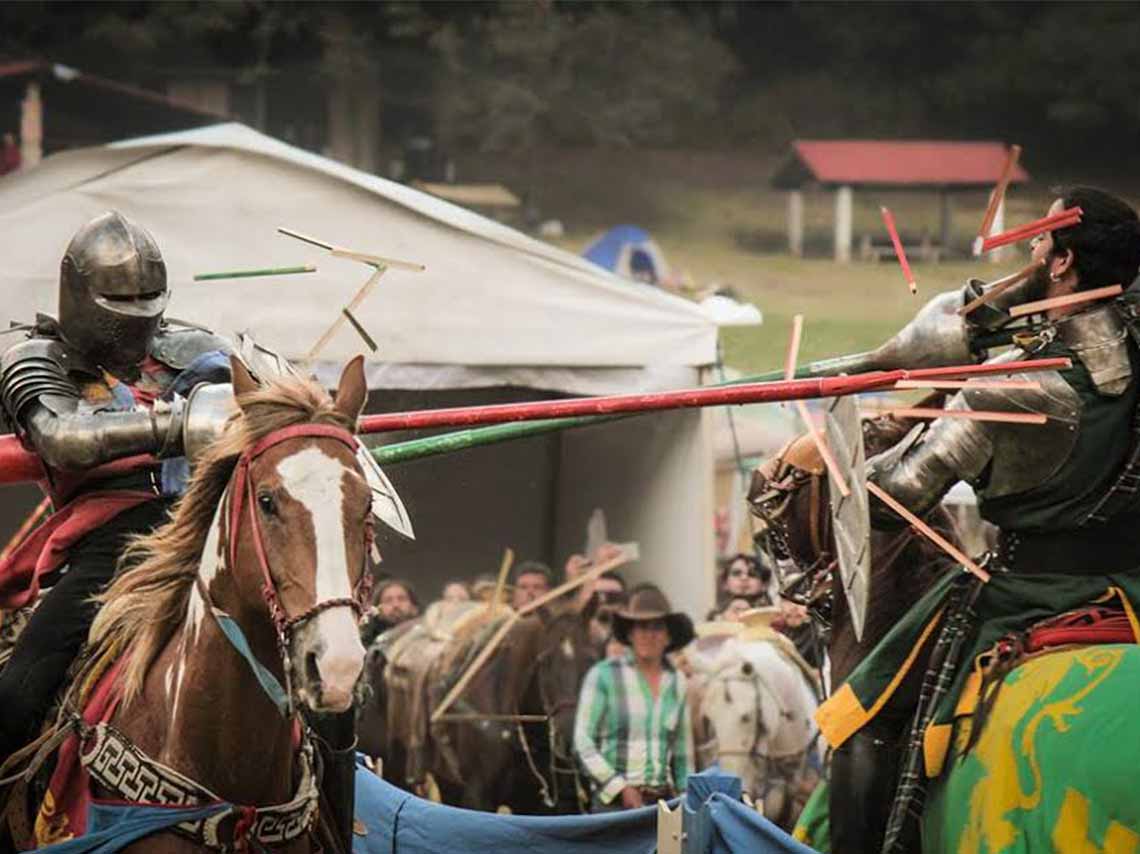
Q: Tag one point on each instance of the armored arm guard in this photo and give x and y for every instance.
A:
(998, 458)
(42, 401)
(937, 336)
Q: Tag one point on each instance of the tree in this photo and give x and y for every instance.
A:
(535, 75)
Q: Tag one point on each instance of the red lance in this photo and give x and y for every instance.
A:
(18, 464)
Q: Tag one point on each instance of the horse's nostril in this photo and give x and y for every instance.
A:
(312, 672)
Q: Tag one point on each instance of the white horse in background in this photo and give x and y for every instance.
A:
(754, 713)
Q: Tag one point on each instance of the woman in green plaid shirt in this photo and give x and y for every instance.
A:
(631, 731)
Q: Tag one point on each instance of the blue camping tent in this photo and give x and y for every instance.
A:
(629, 251)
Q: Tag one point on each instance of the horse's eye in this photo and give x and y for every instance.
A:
(267, 504)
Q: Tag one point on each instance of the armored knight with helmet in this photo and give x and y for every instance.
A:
(115, 399)
(1064, 496)
(105, 382)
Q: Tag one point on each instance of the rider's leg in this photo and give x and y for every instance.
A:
(865, 769)
(864, 773)
(337, 743)
(57, 629)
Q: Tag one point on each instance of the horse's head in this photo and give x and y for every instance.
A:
(298, 521)
(565, 654)
(790, 494)
(757, 709)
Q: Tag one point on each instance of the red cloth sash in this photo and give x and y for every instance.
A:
(47, 548)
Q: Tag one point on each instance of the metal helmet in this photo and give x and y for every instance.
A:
(112, 291)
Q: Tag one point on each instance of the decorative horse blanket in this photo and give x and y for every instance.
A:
(1009, 604)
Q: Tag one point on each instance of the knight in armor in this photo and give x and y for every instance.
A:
(1063, 496)
(104, 383)
(115, 400)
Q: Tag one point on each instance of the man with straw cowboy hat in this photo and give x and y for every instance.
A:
(632, 732)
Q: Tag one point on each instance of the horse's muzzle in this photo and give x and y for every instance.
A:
(330, 657)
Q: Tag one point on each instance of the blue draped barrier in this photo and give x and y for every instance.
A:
(398, 822)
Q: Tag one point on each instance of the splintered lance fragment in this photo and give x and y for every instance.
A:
(805, 416)
(1066, 300)
(249, 274)
(1011, 158)
(360, 330)
(1061, 219)
(900, 253)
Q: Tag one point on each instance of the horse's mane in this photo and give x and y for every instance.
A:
(146, 603)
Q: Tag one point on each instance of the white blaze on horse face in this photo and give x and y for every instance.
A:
(316, 480)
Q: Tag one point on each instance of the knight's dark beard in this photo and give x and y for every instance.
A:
(1036, 287)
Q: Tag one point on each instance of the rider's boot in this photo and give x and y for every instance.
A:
(864, 774)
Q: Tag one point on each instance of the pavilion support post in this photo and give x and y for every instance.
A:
(999, 255)
(796, 222)
(843, 223)
(31, 127)
(946, 219)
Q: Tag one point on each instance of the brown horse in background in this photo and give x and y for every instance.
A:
(506, 742)
(285, 566)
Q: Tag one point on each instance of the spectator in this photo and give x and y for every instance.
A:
(532, 579)
(483, 588)
(456, 591)
(9, 155)
(634, 748)
(394, 602)
(742, 575)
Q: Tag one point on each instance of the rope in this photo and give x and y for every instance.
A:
(741, 469)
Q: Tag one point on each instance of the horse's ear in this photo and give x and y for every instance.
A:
(352, 390)
(243, 380)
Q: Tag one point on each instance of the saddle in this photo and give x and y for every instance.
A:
(1095, 624)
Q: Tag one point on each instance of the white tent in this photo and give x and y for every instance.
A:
(494, 308)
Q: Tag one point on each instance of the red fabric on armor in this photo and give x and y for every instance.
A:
(47, 548)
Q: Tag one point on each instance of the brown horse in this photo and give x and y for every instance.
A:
(506, 742)
(790, 493)
(266, 549)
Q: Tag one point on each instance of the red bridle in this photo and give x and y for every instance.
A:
(242, 492)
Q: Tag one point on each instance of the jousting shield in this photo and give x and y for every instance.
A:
(850, 516)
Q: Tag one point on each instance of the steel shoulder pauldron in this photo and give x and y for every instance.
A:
(1099, 338)
(177, 345)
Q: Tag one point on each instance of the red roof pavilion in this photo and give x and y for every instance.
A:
(925, 164)
(845, 164)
